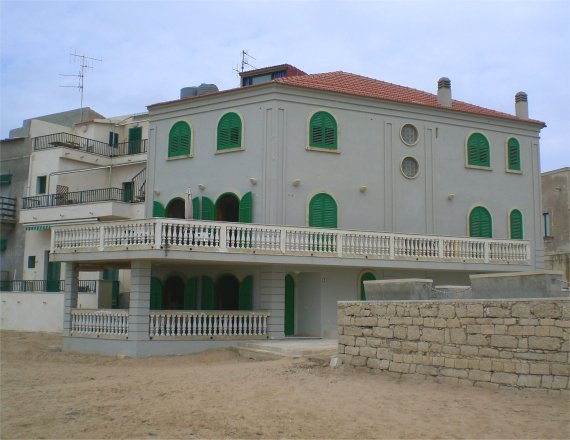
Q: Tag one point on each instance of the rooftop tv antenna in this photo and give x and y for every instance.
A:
(85, 63)
(245, 57)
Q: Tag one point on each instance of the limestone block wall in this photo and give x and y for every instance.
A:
(522, 343)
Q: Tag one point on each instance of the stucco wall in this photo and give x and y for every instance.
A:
(522, 343)
(37, 312)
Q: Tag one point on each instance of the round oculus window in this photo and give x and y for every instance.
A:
(409, 134)
(410, 167)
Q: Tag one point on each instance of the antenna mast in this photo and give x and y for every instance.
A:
(85, 63)
(244, 61)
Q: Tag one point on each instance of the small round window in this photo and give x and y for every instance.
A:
(410, 167)
(409, 134)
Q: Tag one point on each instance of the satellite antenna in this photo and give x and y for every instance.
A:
(85, 63)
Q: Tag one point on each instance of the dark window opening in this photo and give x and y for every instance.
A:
(175, 208)
(173, 293)
(227, 293)
(227, 208)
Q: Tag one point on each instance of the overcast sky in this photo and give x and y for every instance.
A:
(489, 49)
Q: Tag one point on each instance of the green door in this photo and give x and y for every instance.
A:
(53, 272)
(155, 294)
(191, 294)
(480, 223)
(135, 140)
(127, 192)
(208, 209)
(113, 275)
(366, 276)
(246, 294)
(289, 305)
(208, 297)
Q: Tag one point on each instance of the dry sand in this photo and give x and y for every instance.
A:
(46, 393)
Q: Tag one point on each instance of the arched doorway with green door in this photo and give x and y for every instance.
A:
(175, 208)
(173, 293)
(323, 211)
(364, 276)
(227, 208)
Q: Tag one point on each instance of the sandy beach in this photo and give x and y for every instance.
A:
(46, 393)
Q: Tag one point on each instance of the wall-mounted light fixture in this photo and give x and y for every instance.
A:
(450, 197)
(253, 180)
(201, 186)
(156, 192)
(363, 188)
(296, 182)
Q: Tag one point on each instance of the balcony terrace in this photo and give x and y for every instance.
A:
(78, 143)
(265, 244)
(7, 209)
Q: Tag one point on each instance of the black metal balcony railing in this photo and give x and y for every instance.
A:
(79, 197)
(7, 208)
(85, 286)
(92, 146)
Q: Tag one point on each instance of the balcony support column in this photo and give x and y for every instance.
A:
(273, 299)
(70, 295)
(139, 304)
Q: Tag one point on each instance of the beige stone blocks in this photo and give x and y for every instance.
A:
(487, 343)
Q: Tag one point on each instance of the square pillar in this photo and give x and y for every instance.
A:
(70, 295)
(139, 304)
(272, 298)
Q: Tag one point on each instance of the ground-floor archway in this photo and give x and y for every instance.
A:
(227, 293)
(173, 293)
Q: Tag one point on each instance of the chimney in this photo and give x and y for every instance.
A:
(521, 105)
(444, 92)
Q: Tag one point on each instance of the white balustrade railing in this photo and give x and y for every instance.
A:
(100, 323)
(284, 240)
(204, 323)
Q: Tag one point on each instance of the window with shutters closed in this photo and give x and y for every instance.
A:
(229, 132)
(515, 225)
(323, 132)
(480, 223)
(179, 140)
(478, 153)
(322, 211)
(513, 155)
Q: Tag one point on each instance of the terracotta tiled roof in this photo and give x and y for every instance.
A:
(351, 84)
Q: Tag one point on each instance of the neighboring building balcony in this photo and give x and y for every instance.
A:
(173, 324)
(261, 244)
(7, 209)
(104, 203)
(78, 143)
(85, 286)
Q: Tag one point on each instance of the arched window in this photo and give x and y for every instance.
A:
(478, 150)
(515, 225)
(322, 211)
(229, 132)
(179, 140)
(323, 131)
(513, 155)
(480, 224)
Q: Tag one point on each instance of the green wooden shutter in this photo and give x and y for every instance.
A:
(208, 209)
(229, 132)
(113, 139)
(367, 276)
(196, 208)
(155, 294)
(323, 131)
(245, 208)
(179, 140)
(322, 211)
(480, 224)
(127, 192)
(246, 294)
(478, 150)
(514, 155)
(53, 276)
(191, 294)
(516, 225)
(135, 138)
(208, 299)
(158, 209)
(289, 305)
